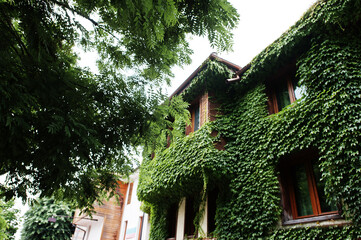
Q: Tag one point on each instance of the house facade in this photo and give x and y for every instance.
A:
(272, 150)
(116, 219)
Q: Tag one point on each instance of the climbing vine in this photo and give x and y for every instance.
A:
(326, 43)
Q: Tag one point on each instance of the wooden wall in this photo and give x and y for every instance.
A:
(112, 212)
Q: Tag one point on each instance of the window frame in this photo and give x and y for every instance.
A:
(125, 229)
(130, 192)
(195, 106)
(290, 213)
(287, 75)
(140, 229)
(212, 197)
(192, 109)
(172, 219)
(189, 216)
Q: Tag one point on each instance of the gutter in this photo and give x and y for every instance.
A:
(239, 74)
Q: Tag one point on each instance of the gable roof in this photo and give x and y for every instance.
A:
(213, 56)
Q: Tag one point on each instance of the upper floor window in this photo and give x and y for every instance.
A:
(303, 191)
(195, 118)
(283, 89)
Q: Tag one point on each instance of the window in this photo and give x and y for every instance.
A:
(195, 118)
(172, 216)
(283, 89)
(189, 228)
(196, 121)
(212, 206)
(303, 192)
(125, 229)
(130, 193)
(140, 228)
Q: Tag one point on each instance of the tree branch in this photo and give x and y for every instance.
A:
(7, 23)
(64, 5)
(74, 11)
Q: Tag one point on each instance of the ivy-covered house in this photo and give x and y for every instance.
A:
(272, 150)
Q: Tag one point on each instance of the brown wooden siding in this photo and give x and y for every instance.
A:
(112, 211)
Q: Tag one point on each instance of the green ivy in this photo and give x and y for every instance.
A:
(326, 42)
(339, 233)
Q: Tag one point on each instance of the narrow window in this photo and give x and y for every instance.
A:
(172, 215)
(130, 193)
(140, 228)
(196, 118)
(189, 228)
(125, 229)
(212, 206)
(195, 112)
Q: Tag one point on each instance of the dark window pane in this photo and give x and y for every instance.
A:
(196, 118)
(172, 220)
(283, 98)
(189, 228)
(325, 207)
(302, 193)
(212, 206)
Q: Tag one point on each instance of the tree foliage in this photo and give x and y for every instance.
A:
(36, 225)
(65, 130)
(9, 219)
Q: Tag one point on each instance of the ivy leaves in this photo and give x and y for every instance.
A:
(326, 44)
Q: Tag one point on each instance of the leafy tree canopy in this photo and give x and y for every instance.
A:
(67, 131)
(9, 219)
(37, 226)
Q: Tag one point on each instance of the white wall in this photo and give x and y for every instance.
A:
(93, 228)
(181, 219)
(132, 213)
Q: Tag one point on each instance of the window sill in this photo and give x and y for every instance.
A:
(327, 220)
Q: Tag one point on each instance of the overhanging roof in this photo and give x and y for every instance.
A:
(212, 56)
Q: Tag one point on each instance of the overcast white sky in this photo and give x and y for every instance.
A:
(261, 23)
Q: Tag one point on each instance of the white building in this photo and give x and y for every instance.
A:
(115, 220)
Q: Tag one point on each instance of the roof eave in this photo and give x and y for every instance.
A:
(212, 56)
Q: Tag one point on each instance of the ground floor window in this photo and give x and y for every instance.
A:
(302, 188)
(211, 214)
(190, 214)
(172, 216)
